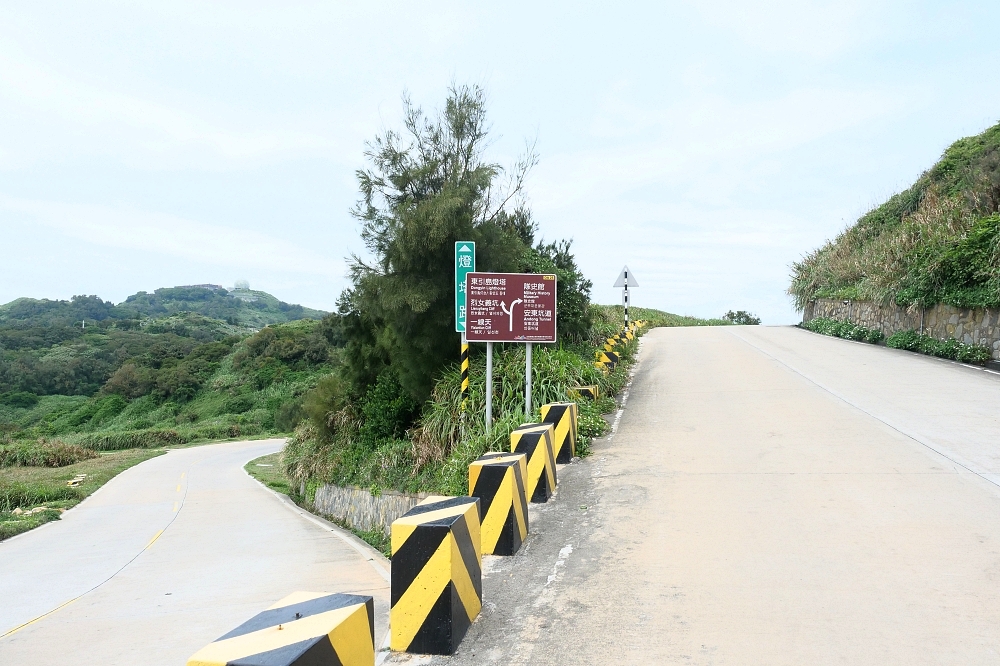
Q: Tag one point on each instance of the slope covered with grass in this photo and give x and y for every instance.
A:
(936, 242)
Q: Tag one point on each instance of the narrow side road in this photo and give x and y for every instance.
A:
(168, 556)
(770, 497)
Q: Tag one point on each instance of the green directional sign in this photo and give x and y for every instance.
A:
(465, 262)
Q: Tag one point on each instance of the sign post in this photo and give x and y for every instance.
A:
(465, 263)
(623, 281)
(511, 307)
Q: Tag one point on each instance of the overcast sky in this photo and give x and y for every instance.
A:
(707, 145)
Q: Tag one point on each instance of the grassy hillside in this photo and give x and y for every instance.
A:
(936, 242)
(170, 389)
(243, 308)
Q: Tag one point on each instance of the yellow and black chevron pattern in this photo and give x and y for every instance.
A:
(592, 391)
(465, 373)
(303, 629)
(436, 588)
(564, 417)
(535, 441)
(606, 360)
(610, 343)
(497, 479)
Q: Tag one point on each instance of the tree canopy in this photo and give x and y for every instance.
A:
(425, 188)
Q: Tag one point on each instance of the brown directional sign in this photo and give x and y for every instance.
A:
(510, 307)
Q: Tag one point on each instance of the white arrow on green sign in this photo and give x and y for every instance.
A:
(465, 262)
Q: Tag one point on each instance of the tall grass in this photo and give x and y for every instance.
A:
(936, 242)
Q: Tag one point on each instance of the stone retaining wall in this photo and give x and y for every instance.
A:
(360, 509)
(979, 327)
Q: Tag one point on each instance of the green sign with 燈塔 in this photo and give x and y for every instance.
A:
(465, 262)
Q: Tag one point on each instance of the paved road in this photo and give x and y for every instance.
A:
(167, 557)
(770, 497)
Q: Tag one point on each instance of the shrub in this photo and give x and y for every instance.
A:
(387, 410)
(742, 318)
(237, 405)
(952, 349)
(133, 439)
(43, 454)
(844, 329)
(22, 399)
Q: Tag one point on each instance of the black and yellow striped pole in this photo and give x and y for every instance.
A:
(465, 372)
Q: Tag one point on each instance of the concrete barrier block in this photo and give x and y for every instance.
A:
(606, 360)
(498, 480)
(436, 588)
(535, 441)
(564, 417)
(592, 391)
(303, 629)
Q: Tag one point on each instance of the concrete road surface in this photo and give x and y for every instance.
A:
(167, 557)
(771, 496)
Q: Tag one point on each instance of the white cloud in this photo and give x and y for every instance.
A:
(168, 236)
(36, 98)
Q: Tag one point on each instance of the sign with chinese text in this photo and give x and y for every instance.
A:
(465, 263)
(511, 307)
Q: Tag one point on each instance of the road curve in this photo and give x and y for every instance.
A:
(166, 557)
(770, 496)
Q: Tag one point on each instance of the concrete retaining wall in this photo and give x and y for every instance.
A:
(979, 327)
(360, 509)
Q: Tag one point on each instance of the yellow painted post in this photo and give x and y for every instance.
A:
(303, 628)
(498, 479)
(535, 441)
(436, 587)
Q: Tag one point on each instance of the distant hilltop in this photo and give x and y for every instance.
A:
(240, 307)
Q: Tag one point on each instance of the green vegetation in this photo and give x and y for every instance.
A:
(241, 308)
(43, 454)
(952, 349)
(163, 389)
(909, 340)
(32, 495)
(268, 470)
(391, 417)
(742, 318)
(843, 329)
(936, 242)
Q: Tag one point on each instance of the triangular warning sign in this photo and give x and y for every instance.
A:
(626, 274)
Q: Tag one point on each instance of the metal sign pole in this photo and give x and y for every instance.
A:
(527, 381)
(626, 299)
(489, 387)
(622, 282)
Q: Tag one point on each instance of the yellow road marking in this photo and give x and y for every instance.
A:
(178, 487)
(42, 616)
(153, 540)
(63, 605)
(175, 507)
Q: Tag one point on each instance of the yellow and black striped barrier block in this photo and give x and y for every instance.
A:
(606, 359)
(303, 629)
(535, 441)
(497, 479)
(629, 334)
(564, 417)
(592, 391)
(436, 588)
